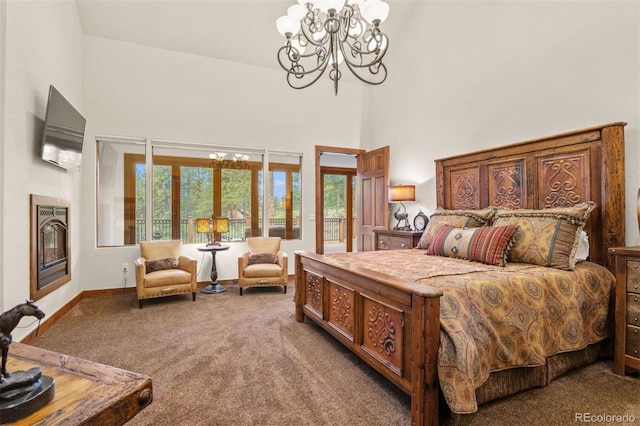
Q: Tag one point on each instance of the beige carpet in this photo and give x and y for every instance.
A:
(243, 360)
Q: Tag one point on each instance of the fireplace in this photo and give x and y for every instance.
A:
(50, 255)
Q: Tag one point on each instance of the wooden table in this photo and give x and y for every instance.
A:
(85, 392)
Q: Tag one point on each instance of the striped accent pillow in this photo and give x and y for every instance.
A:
(488, 245)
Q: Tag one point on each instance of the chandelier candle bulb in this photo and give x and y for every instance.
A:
(331, 33)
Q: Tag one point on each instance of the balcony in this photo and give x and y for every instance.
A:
(239, 229)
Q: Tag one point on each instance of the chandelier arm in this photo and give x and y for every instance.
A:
(321, 67)
(308, 35)
(316, 78)
(355, 71)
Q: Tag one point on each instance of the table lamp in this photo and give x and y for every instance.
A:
(398, 194)
(205, 226)
(220, 225)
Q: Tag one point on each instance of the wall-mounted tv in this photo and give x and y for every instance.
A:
(63, 133)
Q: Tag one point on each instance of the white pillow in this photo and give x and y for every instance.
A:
(582, 252)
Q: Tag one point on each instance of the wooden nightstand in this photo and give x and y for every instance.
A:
(388, 239)
(627, 345)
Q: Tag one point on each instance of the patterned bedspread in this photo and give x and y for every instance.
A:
(494, 318)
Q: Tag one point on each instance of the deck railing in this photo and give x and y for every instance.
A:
(334, 229)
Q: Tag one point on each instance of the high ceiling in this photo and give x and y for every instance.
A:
(242, 31)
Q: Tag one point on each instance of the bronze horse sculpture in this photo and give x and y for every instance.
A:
(8, 321)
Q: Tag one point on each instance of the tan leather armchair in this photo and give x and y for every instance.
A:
(163, 271)
(263, 264)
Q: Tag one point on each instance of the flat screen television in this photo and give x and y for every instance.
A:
(63, 133)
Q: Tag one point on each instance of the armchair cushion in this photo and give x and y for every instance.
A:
(256, 258)
(161, 264)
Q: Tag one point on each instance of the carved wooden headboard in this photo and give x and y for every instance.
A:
(553, 171)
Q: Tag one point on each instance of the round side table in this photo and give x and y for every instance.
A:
(214, 287)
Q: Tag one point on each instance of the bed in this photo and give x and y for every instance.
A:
(393, 309)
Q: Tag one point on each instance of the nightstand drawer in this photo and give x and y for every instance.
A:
(633, 276)
(633, 341)
(390, 242)
(389, 239)
(633, 309)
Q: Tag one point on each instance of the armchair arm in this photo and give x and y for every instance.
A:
(243, 262)
(188, 264)
(283, 261)
(141, 270)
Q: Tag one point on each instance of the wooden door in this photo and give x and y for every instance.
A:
(373, 180)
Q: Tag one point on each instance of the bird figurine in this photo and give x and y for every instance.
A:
(402, 216)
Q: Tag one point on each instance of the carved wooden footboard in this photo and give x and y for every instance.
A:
(393, 325)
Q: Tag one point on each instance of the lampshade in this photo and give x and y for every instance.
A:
(221, 224)
(202, 225)
(399, 193)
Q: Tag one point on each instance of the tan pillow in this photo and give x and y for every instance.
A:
(547, 237)
(161, 264)
(457, 218)
(262, 258)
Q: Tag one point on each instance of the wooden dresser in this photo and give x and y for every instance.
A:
(627, 345)
(388, 239)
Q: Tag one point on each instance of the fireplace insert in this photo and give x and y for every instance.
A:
(50, 256)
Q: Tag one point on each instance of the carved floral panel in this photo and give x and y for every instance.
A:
(314, 291)
(383, 333)
(464, 189)
(564, 180)
(507, 184)
(341, 308)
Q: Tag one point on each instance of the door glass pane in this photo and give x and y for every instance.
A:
(334, 213)
(140, 204)
(162, 196)
(196, 201)
(236, 203)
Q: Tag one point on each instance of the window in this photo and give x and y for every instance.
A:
(284, 195)
(120, 204)
(188, 182)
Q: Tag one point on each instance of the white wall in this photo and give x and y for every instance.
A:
(133, 90)
(3, 38)
(484, 74)
(42, 46)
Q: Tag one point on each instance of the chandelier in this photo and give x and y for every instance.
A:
(237, 161)
(328, 33)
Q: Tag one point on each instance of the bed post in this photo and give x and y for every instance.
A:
(299, 288)
(613, 190)
(425, 389)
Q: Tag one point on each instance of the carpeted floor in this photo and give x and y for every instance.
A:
(227, 359)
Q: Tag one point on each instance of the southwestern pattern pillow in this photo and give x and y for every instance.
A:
(488, 245)
(161, 264)
(547, 237)
(262, 258)
(457, 218)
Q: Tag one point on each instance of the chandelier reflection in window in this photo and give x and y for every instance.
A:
(328, 33)
(223, 160)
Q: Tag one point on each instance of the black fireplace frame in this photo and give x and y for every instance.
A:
(47, 276)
